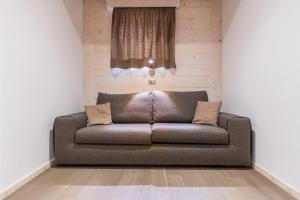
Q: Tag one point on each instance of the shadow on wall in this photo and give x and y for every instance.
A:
(229, 8)
(75, 11)
(253, 136)
(51, 145)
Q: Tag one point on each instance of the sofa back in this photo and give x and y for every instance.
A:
(129, 108)
(148, 107)
(176, 107)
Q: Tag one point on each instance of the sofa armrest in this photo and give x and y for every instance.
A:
(65, 128)
(239, 128)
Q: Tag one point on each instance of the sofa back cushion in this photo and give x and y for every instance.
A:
(129, 108)
(176, 107)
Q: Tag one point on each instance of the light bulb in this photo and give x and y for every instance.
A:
(151, 61)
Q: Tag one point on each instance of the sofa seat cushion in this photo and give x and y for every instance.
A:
(188, 133)
(139, 134)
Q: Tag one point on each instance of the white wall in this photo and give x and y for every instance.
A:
(230, 6)
(261, 69)
(42, 79)
(1, 95)
(75, 10)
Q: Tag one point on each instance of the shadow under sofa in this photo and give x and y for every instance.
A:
(153, 128)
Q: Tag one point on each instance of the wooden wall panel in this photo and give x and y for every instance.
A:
(142, 3)
(197, 53)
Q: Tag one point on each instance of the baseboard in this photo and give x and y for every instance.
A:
(12, 188)
(277, 181)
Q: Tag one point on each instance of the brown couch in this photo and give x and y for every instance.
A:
(153, 128)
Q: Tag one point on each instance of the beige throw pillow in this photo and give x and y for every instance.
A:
(207, 113)
(98, 114)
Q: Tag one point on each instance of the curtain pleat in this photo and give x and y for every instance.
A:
(141, 34)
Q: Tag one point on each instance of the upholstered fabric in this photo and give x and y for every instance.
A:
(170, 107)
(207, 113)
(223, 119)
(141, 34)
(187, 133)
(236, 153)
(129, 108)
(115, 134)
(98, 114)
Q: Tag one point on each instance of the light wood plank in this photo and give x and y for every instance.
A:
(150, 183)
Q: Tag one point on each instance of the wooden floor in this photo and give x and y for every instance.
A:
(131, 183)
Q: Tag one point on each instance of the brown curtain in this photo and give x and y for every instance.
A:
(141, 34)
